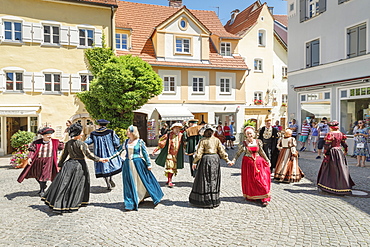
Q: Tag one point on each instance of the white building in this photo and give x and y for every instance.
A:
(329, 60)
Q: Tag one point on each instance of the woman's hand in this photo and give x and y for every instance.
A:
(194, 166)
(104, 160)
(230, 163)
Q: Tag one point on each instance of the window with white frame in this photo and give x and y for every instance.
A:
(225, 85)
(313, 53)
(198, 84)
(51, 34)
(86, 37)
(284, 71)
(182, 45)
(356, 37)
(121, 41)
(258, 65)
(52, 82)
(258, 96)
(13, 31)
(85, 82)
(169, 84)
(261, 38)
(14, 81)
(284, 98)
(225, 49)
(311, 8)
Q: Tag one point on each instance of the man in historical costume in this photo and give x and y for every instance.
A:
(42, 159)
(269, 137)
(192, 137)
(171, 156)
(106, 143)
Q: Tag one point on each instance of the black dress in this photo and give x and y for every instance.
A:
(71, 187)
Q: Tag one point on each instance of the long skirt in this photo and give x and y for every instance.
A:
(139, 183)
(287, 169)
(256, 180)
(333, 175)
(41, 168)
(70, 189)
(206, 186)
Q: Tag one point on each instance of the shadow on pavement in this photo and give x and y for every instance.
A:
(183, 204)
(99, 190)
(21, 193)
(178, 184)
(240, 199)
(45, 209)
(114, 205)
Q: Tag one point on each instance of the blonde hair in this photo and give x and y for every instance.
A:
(134, 131)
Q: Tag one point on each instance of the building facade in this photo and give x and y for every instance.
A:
(42, 63)
(329, 61)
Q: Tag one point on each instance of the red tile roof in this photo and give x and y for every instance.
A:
(144, 18)
(97, 2)
(283, 19)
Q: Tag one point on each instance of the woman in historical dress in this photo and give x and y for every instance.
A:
(333, 175)
(138, 179)
(206, 186)
(361, 150)
(219, 133)
(287, 169)
(71, 187)
(256, 180)
(43, 159)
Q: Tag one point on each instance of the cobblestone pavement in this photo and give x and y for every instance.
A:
(297, 216)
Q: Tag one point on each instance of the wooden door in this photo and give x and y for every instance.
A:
(13, 124)
(141, 122)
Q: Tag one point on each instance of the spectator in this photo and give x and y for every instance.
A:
(278, 126)
(232, 137)
(305, 131)
(220, 134)
(323, 130)
(361, 149)
(227, 135)
(163, 130)
(314, 137)
(294, 127)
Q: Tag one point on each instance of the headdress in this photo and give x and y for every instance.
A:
(249, 127)
(193, 121)
(46, 130)
(75, 130)
(334, 124)
(176, 125)
(102, 121)
(209, 127)
(131, 128)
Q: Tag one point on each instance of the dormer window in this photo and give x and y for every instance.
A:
(121, 41)
(183, 24)
(182, 45)
(225, 49)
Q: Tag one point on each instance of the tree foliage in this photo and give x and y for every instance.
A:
(120, 86)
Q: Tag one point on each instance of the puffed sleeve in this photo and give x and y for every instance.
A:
(239, 152)
(328, 139)
(279, 144)
(221, 151)
(118, 152)
(293, 147)
(116, 141)
(89, 140)
(162, 141)
(144, 151)
(260, 150)
(199, 151)
(343, 143)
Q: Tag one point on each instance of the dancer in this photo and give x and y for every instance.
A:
(287, 169)
(43, 159)
(269, 137)
(71, 187)
(206, 186)
(334, 175)
(106, 143)
(256, 180)
(138, 180)
(192, 137)
(171, 156)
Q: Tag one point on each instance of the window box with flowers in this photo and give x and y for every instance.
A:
(284, 104)
(20, 140)
(258, 102)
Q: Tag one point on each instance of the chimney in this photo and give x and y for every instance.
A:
(271, 10)
(234, 13)
(175, 3)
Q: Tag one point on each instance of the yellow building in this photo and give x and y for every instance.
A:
(42, 64)
(197, 59)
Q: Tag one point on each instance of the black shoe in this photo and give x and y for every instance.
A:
(112, 183)
(318, 157)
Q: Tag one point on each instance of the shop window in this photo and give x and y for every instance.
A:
(353, 110)
(169, 84)
(13, 31)
(86, 37)
(85, 82)
(14, 81)
(51, 34)
(198, 84)
(52, 83)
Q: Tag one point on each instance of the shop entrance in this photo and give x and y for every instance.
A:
(13, 124)
(141, 121)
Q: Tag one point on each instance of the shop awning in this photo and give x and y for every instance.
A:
(18, 110)
(174, 113)
(319, 110)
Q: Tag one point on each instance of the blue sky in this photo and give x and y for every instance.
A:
(225, 6)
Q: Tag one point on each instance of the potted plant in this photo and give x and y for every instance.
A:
(258, 102)
(20, 141)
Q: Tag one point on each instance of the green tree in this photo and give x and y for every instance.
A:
(120, 86)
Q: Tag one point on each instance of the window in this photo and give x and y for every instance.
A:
(121, 41)
(258, 65)
(182, 45)
(261, 38)
(313, 53)
(356, 37)
(225, 49)
(291, 7)
(85, 82)
(13, 31)
(183, 24)
(14, 81)
(198, 84)
(51, 34)
(225, 85)
(52, 82)
(311, 8)
(327, 95)
(169, 84)
(342, 1)
(257, 96)
(284, 98)
(343, 94)
(86, 37)
(284, 71)
(303, 97)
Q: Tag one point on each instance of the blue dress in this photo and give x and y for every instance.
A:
(106, 143)
(361, 139)
(138, 182)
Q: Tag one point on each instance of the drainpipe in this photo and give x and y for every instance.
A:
(112, 31)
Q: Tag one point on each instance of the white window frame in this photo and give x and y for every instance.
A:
(258, 95)
(13, 30)
(51, 34)
(14, 81)
(261, 38)
(313, 8)
(169, 91)
(53, 82)
(121, 38)
(258, 65)
(284, 98)
(86, 38)
(89, 78)
(223, 85)
(199, 89)
(225, 49)
(284, 71)
(182, 45)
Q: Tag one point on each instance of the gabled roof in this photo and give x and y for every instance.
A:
(280, 29)
(142, 19)
(95, 2)
(245, 19)
(282, 19)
